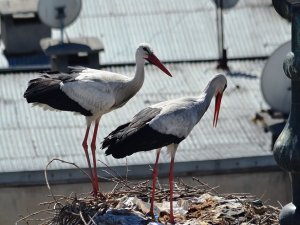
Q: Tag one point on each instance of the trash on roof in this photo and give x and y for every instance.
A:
(128, 203)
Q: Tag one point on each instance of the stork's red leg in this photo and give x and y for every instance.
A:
(85, 147)
(171, 176)
(154, 176)
(93, 148)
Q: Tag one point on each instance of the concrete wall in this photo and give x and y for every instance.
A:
(271, 187)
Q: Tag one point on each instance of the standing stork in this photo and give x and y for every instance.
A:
(91, 93)
(164, 124)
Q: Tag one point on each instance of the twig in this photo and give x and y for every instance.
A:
(63, 161)
(279, 203)
(32, 214)
(83, 220)
(116, 176)
(111, 169)
(126, 175)
(206, 185)
(115, 187)
(92, 219)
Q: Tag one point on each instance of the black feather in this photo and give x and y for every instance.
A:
(46, 90)
(137, 136)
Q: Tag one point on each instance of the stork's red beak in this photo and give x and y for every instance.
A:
(217, 108)
(155, 61)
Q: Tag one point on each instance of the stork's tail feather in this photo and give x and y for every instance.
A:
(40, 88)
(47, 84)
(114, 148)
(108, 140)
(112, 141)
(117, 146)
(46, 90)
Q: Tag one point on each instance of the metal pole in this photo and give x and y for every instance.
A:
(287, 146)
(222, 63)
(219, 30)
(61, 17)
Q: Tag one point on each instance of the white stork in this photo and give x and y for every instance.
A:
(164, 124)
(91, 93)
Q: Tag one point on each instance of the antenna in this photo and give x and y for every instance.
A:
(222, 4)
(275, 85)
(58, 13)
(226, 4)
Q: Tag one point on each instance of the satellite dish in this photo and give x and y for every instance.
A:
(275, 85)
(226, 4)
(58, 13)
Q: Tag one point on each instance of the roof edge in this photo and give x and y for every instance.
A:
(193, 168)
(42, 68)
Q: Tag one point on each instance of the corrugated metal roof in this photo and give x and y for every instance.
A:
(178, 30)
(30, 137)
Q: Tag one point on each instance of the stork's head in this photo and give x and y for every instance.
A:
(219, 82)
(144, 51)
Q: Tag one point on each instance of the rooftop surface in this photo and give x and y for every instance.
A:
(30, 137)
(177, 31)
(180, 30)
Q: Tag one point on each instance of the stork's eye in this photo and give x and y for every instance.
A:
(225, 87)
(146, 49)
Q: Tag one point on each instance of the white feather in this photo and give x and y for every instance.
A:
(44, 106)
(96, 97)
(179, 116)
(47, 107)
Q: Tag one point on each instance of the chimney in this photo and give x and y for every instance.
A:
(21, 32)
(82, 51)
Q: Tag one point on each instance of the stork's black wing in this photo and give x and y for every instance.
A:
(137, 135)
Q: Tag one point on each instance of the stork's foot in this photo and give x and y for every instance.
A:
(93, 193)
(172, 221)
(95, 190)
(100, 195)
(97, 194)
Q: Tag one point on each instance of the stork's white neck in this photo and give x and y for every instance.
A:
(216, 85)
(209, 93)
(133, 85)
(205, 98)
(211, 89)
(139, 76)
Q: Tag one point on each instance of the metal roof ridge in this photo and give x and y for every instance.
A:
(41, 68)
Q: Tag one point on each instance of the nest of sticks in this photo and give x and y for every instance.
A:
(198, 204)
